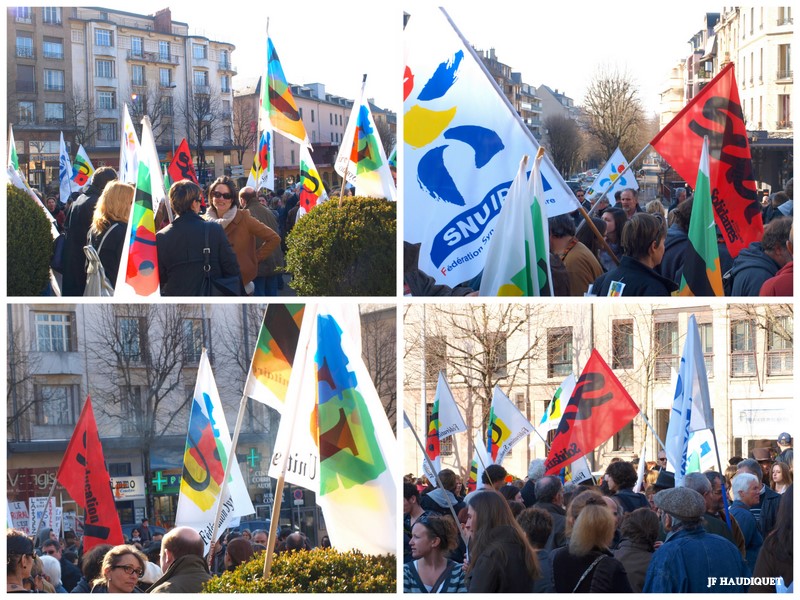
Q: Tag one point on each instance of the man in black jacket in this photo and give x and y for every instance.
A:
(70, 574)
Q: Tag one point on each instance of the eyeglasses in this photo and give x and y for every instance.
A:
(226, 195)
(662, 459)
(129, 570)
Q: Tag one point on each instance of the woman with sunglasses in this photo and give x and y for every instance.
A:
(643, 243)
(433, 537)
(242, 229)
(122, 568)
(19, 561)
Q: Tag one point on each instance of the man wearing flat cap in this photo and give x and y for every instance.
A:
(691, 560)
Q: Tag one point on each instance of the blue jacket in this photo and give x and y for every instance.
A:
(751, 269)
(749, 526)
(689, 557)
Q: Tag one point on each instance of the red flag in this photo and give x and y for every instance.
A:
(717, 113)
(181, 166)
(83, 473)
(598, 408)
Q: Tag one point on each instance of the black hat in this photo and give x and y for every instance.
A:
(665, 481)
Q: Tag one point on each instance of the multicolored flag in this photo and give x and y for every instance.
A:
(64, 171)
(702, 275)
(83, 474)
(446, 420)
(362, 160)
(717, 113)
(463, 140)
(277, 102)
(128, 150)
(82, 168)
(139, 277)
(207, 451)
(480, 459)
(262, 173)
(613, 172)
(13, 159)
(691, 408)
(337, 435)
(555, 410)
(506, 426)
(312, 190)
(271, 367)
(541, 228)
(599, 408)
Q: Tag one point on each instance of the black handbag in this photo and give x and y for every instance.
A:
(218, 286)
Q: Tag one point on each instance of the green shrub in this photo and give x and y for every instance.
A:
(29, 245)
(320, 570)
(347, 251)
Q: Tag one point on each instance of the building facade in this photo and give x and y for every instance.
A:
(529, 350)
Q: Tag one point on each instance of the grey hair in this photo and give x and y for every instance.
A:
(741, 482)
(697, 482)
(536, 469)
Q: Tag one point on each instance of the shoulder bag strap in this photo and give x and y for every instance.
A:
(439, 585)
(587, 571)
(207, 254)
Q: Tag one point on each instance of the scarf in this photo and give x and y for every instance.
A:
(225, 220)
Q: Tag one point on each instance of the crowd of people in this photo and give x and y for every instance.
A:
(244, 230)
(644, 249)
(150, 562)
(715, 532)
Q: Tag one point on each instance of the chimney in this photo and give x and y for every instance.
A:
(162, 21)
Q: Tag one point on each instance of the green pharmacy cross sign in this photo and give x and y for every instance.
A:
(253, 457)
(159, 481)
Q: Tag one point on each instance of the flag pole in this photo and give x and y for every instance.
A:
(436, 476)
(613, 183)
(47, 505)
(597, 233)
(292, 393)
(355, 141)
(653, 431)
(722, 482)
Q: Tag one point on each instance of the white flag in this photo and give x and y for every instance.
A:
(555, 410)
(128, 150)
(208, 449)
(446, 420)
(507, 426)
(612, 173)
(64, 171)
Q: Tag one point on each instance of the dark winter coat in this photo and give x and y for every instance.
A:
(186, 575)
(750, 270)
(675, 247)
(607, 576)
(501, 566)
(639, 280)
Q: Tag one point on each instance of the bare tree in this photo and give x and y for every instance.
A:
(22, 364)
(202, 113)
(149, 100)
(379, 350)
(387, 136)
(245, 127)
(563, 142)
(80, 117)
(613, 111)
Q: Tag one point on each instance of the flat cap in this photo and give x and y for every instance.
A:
(680, 502)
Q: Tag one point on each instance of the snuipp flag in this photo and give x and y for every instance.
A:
(64, 171)
(612, 172)
(274, 354)
(446, 420)
(277, 102)
(207, 451)
(312, 190)
(181, 166)
(83, 474)
(507, 426)
(717, 113)
(598, 409)
(463, 141)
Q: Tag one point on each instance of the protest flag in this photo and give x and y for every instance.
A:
(541, 229)
(83, 474)
(446, 420)
(506, 426)
(337, 435)
(717, 113)
(262, 173)
(274, 354)
(181, 166)
(64, 171)
(612, 172)
(277, 102)
(480, 460)
(128, 150)
(691, 407)
(702, 275)
(599, 408)
(138, 273)
(82, 168)
(312, 190)
(207, 451)
(463, 140)
(362, 160)
(552, 416)
(13, 159)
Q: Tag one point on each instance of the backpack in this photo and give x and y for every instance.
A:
(97, 284)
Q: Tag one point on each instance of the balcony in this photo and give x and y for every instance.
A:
(137, 84)
(25, 52)
(54, 87)
(785, 21)
(153, 57)
(53, 55)
(784, 74)
(226, 65)
(203, 90)
(28, 20)
(105, 50)
(780, 362)
(783, 125)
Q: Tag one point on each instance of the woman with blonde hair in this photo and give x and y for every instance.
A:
(109, 225)
(586, 563)
(501, 559)
(123, 566)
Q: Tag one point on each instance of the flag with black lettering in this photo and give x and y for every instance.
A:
(507, 426)
(717, 113)
(599, 408)
(83, 474)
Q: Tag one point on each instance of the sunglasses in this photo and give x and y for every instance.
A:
(218, 195)
(129, 570)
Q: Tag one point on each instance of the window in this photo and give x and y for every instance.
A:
(225, 83)
(331, 136)
(103, 37)
(743, 346)
(784, 61)
(201, 78)
(107, 131)
(137, 75)
(163, 50)
(119, 469)
(104, 68)
(666, 349)
(435, 357)
(622, 344)
(193, 339)
(559, 351)
(166, 105)
(707, 345)
(224, 59)
(53, 48)
(331, 118)
(27, 111)
(784, 111)
(52, 15)
(106, 100)
(130, 337)
(24, 14)
(55, 404)
(623, 439)
(26, 78)
(780, 336)
(291, 153)
(165, 77)
(137, 46)
(53, 80)
(312, 115)
(130, 405)
(54, 111)
(54, 332)
(199, 51)
(24, 46)
(445, 445)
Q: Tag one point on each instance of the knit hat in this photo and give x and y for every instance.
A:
(19, 545)
(682, 503)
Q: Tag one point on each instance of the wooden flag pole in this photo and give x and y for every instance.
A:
(597, 233)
